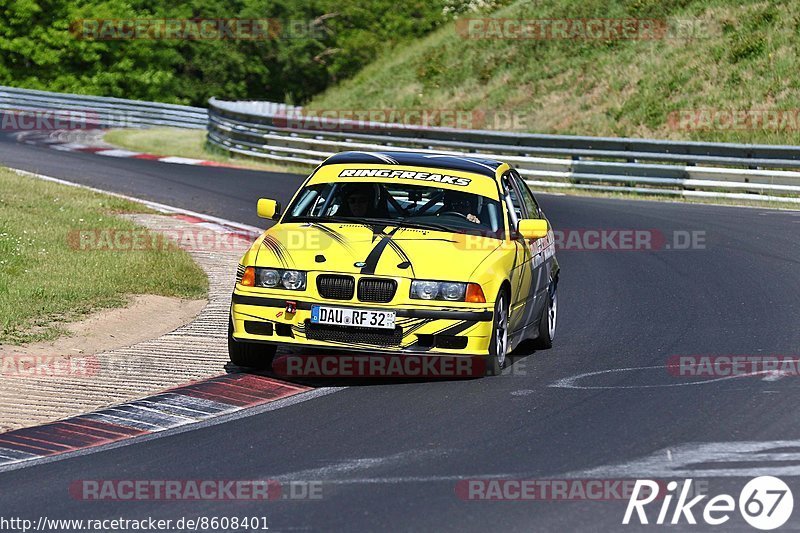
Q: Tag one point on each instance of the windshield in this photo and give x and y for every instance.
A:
(399, 204)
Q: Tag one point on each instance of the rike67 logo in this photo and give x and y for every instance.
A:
(765, 503)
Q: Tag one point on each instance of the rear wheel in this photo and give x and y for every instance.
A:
(249, 354)
(498, 346)
(547, 323)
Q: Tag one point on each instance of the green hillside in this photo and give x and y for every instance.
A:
(741, 56)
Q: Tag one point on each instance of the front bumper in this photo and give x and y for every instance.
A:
(462, 330)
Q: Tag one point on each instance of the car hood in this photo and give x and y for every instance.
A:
(369, 249)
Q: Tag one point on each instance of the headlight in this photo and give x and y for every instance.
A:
(450, 291)
(275, 278)
(453, 292)
(268, 277)
(425, 290)
(294, 280)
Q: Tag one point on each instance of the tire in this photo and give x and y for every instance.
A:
(249, 354)
(547, 323)
(498, 346)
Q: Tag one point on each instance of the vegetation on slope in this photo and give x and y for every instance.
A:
(734, 77)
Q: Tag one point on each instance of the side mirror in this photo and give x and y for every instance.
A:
(269, 209)
(533, 228)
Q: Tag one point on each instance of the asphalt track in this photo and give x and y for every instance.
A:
(389, 455)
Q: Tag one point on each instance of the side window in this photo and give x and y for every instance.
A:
(513, 204)
(527, 198)
(513, 195)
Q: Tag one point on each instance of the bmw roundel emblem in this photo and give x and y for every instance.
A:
(360, 264)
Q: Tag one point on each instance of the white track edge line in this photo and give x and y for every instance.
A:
(153, 205)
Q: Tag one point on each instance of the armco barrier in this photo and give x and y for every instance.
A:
(98, 111)
(262, 130)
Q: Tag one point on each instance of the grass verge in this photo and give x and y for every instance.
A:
(186, 143)
(723, 57)
(46, 282)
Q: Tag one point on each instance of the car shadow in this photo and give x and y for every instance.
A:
(526, 348)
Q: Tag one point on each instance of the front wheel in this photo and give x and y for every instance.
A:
(547, 323)
(498, 346)
(249, 354)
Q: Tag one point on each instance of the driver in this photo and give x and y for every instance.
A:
(463, 203)
(359, 200)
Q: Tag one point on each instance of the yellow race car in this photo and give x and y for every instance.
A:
(399, 253)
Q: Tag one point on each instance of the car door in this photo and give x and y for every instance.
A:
(546, 245)
(538, 250)
(522, 280)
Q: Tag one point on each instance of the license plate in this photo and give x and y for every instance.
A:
(359, 318)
